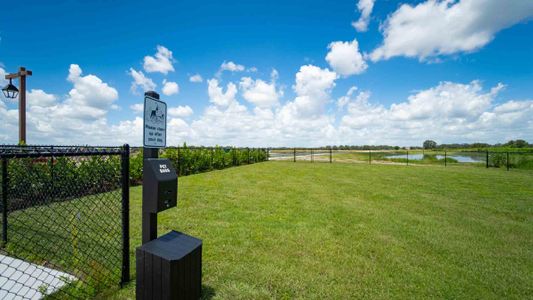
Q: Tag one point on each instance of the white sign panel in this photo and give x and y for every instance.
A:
(155, 123)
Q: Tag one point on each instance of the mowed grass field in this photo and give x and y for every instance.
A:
(305, 230)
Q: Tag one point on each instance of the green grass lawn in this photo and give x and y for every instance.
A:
(344, 231)
(81, 237)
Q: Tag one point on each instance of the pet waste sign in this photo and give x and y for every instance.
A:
(155, 123)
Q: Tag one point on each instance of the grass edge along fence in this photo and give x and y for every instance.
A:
(65, 220)
(488, 158)
(189, 160)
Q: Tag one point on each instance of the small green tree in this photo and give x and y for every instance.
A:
(517, 144)
(429, 144)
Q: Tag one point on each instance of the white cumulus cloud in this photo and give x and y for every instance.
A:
(231, 66)
(345, 58)
(365, 7)
(180, 111)
(259, 92)
(218, 96)
(312, 87)
(161, 62)
(435, 27)
(448, 112)
(3, 81)
(197, 78)
(170, 88)
(37, 97)
(137, 108)
(140, 80)
(342, 101)
(90, 95)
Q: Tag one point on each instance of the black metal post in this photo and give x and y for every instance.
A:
(4, 200)
(149, 220)
(445, 162)
(369, 156)
(330, 155)
(125, 163)
(407, 157)
(487, 159)
(211, 158)
(52, 174)
(507, 161)
(294, 155)
(179, 163)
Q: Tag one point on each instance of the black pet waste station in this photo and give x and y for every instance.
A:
(169, 266)
(160, 185)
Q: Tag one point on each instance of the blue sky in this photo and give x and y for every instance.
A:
(477, 69)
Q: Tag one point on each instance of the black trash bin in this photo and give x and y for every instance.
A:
(170, 267)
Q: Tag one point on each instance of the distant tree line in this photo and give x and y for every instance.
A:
(510, 144)
(428, 144)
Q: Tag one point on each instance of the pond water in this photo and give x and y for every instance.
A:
(462, 158)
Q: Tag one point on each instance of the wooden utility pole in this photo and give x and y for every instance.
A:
(21, 75)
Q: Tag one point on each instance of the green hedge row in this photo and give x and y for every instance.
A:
(191, 160)
(38, 181)
(516, 161)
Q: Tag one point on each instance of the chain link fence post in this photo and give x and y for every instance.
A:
(179, 163)
(125, 165)
(52, 173)
(4, 200)
(211, 158)
(507, 162)
(487, 159)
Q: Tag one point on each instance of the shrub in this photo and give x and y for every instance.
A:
(192, 160)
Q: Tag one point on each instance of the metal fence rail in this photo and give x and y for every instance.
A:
(65, 220)
(488, 159)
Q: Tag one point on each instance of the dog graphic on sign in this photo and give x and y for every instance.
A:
(156, 115)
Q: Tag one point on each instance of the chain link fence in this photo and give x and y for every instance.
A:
(65, 224)
(488, 159)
